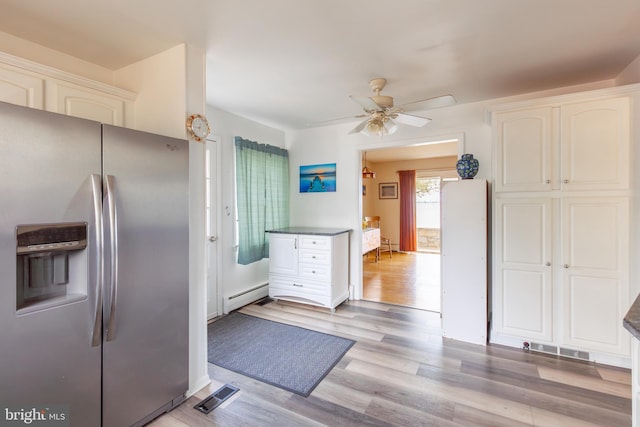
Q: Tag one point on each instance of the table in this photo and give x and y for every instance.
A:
(371, 241)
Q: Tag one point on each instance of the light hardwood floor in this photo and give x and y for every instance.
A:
(409, 279)
(401, 372)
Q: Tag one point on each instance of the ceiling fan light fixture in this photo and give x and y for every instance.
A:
(375, 126)
(379, 126)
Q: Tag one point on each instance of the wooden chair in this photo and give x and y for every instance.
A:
(385, 243)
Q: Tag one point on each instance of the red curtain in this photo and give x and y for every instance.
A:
(408, 240)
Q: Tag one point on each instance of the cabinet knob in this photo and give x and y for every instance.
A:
(566, 266)
(548, 264)
(548, 181)
(565, 181)
(299, 286)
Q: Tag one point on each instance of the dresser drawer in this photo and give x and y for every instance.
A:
(315, 242)
(282, 285)
(310, 256)
(315, 272)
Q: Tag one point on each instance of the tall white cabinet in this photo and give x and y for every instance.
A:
(561, 226)
(464, 260)
(309, 265)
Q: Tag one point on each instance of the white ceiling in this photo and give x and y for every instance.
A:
(288, 63)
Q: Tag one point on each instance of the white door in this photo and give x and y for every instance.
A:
(212, 183)
(595, 270)
(523, 276)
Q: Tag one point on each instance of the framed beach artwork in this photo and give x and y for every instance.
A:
(318, 178)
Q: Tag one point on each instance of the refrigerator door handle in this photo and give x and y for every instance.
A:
(96, 335)
(113, 247)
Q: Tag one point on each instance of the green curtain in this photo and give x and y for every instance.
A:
(262, 186)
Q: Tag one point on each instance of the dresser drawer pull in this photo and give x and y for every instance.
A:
(300, 286)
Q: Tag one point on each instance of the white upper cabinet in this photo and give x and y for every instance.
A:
(21, 89)
(576, 146)
(34, 85)
(524, 150)
(85, 103)
(595, 145)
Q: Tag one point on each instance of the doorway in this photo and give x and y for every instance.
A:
(407, 278)
(212, 200)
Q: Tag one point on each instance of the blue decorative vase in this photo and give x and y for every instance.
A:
(467, 166)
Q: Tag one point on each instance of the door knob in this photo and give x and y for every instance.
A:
(212, 238)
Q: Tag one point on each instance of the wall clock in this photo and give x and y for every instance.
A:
(198, 127)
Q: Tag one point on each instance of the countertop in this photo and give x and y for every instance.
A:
(316, 231)
(631, 321)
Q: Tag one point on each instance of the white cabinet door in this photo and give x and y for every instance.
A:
(21, 89)
(283, 254)
(523, 278)
(595, 145)
(595, 266)
(85, 103)
(524, 150)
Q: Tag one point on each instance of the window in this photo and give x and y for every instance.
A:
(262, 196)
(428, 208)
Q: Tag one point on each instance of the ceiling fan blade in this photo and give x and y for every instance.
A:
(429, 103)
(408, 119)
(359, 127)
(365, 102)
(338, 120)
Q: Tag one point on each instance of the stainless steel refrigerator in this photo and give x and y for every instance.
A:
(93, 269)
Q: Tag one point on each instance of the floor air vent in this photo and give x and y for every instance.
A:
(214, 400)
(569, 352)
(543, 348)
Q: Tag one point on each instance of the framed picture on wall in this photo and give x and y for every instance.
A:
(318, 178)
(388, 190)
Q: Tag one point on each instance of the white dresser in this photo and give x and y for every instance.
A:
(309, 265)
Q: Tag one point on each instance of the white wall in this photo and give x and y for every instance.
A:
(332, 144)
(631, 74)
(236, 278)
(160, 82)
(53, 58)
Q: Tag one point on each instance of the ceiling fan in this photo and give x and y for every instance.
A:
(382, 117)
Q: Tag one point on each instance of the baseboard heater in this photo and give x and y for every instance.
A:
(246, 297)
(559, 351)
